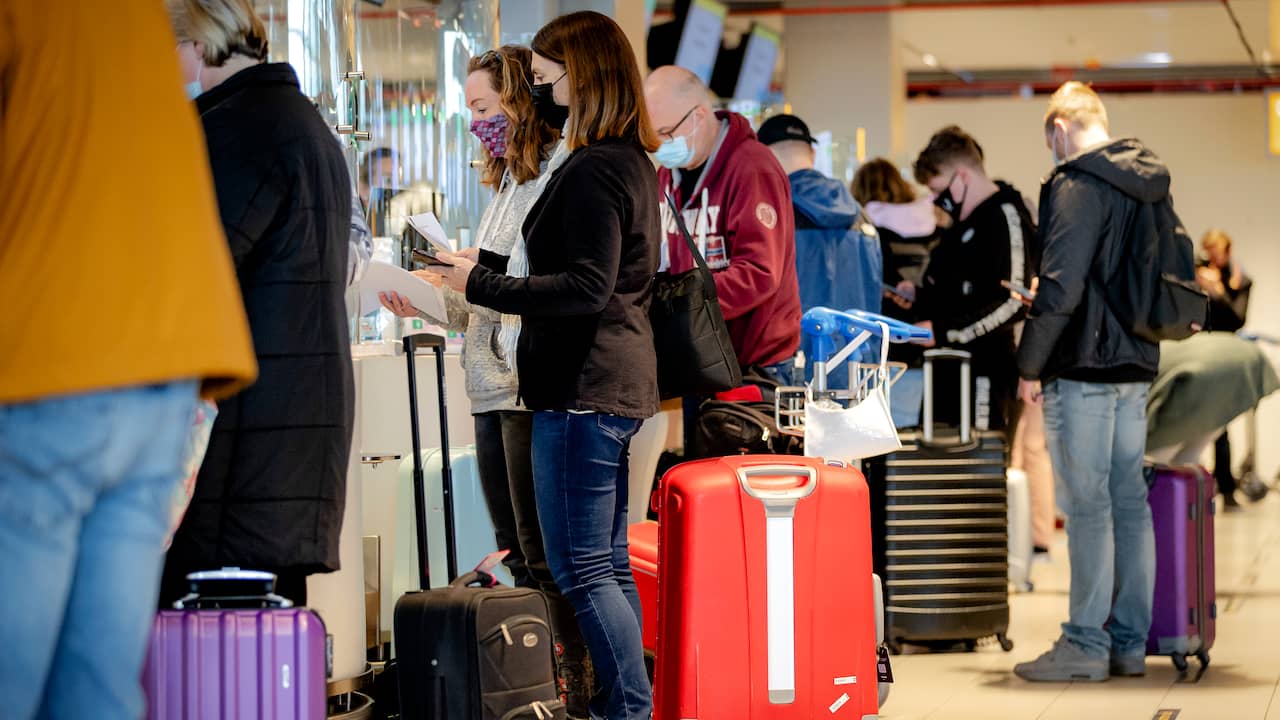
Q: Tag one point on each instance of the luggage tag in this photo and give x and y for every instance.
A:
(491, 563)
(884, 673)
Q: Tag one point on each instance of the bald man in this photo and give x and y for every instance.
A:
(736, 200)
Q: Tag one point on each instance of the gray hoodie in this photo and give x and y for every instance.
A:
(491, 383)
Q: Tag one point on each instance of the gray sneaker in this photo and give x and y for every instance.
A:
(1065, 662)
(1128, 665)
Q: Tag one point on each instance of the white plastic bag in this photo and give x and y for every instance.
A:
(864, 429)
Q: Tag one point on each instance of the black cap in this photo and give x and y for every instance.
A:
(784, 127)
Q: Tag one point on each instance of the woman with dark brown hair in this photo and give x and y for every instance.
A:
(521, 153)
(586, 360)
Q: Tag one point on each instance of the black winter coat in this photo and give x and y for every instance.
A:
(593, 241)
(1087, 207)
(271, 491)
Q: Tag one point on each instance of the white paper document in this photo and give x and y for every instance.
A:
(428, 226)
(384, 277)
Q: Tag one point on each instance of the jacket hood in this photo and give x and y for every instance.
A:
(1127, 165)
(825, 202)
(908, 220)
(739, 133)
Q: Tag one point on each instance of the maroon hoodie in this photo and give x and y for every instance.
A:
(749, 234)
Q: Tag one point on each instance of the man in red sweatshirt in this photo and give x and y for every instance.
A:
(736, 202)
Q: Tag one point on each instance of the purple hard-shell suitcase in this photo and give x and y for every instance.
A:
(264, 663)
(1185, 611)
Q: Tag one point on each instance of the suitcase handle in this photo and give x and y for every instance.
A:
(478, 578)
(778, 502)
(966, 400)
(196, 601)
(411, 343)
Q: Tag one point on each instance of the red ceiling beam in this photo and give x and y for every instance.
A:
(959, 89)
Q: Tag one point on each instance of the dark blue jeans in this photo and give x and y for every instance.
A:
(580, 478)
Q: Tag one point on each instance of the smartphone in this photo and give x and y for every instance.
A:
(894, 291)
(427, 258)
(1027, 295)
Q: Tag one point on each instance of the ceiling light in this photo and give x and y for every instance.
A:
(1157, 58)
(929, 59)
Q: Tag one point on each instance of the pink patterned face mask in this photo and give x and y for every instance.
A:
(492, 133)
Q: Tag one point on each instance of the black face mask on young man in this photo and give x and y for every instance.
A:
(949, 204)
(544, 102)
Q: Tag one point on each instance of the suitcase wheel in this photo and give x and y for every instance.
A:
(1179, 662)
(1005, 643)
(1203, 657)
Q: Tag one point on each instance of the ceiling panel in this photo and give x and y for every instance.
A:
(1102, 35)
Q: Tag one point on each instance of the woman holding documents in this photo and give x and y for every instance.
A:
(522, 151)
(270, 493)
(586, 363)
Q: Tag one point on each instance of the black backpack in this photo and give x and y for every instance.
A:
(1154, 290)
(736, 427)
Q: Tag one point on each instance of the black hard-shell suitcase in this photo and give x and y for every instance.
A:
(946, 548)
(469, 651)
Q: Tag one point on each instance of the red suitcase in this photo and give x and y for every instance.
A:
(1185, 613)
(765, 607)
(643, 540)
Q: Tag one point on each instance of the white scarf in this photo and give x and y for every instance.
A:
(518, 260)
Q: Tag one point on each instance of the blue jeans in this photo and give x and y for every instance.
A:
(1097, 436)
(86, 491)
(784, 372)
(906, 399)
(581, 481)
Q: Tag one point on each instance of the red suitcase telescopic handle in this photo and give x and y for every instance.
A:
(780, 488)
(780, 492)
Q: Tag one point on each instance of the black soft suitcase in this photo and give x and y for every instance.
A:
(469, 651)
(946, 546)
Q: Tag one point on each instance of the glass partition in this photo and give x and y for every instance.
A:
(389, 78)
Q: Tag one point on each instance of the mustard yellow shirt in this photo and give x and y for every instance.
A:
(114, 271)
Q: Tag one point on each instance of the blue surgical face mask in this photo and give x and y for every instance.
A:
(674, 153)
(677, 152)
(194, 88)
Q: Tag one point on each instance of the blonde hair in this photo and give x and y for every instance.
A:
(1216, 238)
(223, 27)
(1078, 104)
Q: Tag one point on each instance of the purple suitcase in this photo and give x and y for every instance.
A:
(1185, 611)
(265, 663)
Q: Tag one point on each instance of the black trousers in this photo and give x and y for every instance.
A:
(504, 458)
(1222, 465)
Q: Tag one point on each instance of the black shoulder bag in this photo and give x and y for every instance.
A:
(695, 354)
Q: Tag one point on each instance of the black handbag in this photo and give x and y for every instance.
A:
(695, 354)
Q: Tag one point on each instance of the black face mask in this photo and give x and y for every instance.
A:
(544, 103)
(949, 204)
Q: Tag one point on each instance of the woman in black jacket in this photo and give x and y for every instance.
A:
(585, 357)
(270, 493)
